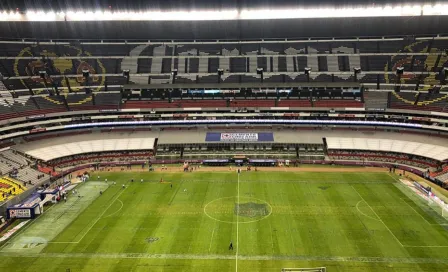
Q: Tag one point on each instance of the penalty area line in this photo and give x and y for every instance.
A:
(94, 223)
(379, 218)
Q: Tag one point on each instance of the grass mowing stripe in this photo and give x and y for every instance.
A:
(99, 217)
(175, 193)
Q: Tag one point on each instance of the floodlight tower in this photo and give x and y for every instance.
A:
(126, 75)
(260, 72)
(173, 76)
(356, 71)
(86, 75)
(43, 76)
(399, 73)
(443, 75)
(220, 73)
(307, 73)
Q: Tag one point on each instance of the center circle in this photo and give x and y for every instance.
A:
(235, 209)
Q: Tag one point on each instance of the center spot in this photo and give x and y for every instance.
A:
(233, 209)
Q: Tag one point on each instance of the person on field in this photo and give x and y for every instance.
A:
(231, 246)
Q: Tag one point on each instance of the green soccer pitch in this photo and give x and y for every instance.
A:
(361, 221)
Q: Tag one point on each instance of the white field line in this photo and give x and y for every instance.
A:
(116, 210)
(379, 218)
(368, 216)
(159, 256)
(94, 223)
(211, 240)
(237, 225)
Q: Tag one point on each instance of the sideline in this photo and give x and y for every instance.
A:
(230, 257)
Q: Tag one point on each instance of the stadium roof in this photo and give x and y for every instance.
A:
(224, 20)
(58, 5)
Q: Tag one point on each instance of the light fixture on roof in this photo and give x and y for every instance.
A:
(173, 76)
(85, 73)
(356, 71)
(43, 74)
(220, 73)
(126, 75)
(260, 71)
(443, 75)
(307, 73)
(307, 70)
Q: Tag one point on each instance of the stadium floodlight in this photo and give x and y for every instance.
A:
(260, 71)
(228, 14)
(445, 71)
(220, 73)
(307, 73)
(85, 73)
(43, 74)
(126, 73)
(173, 76)
(356, 71)
(443, 75)
(400, 71)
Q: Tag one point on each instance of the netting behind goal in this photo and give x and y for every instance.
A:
(316, 269)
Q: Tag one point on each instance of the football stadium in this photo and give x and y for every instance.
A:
(231, 135)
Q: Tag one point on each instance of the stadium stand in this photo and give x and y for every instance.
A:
(123, 156)
(439, 153)
(443, 178)
(50, 102)
(251, 103)
(293, 103)
(9, 188)
(240, 65)
(338, 104)
(53, 148)
(376, 100)
(80, 101)
(405, 159)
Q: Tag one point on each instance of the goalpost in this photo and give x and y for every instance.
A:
(316, 269)
(442, 207)
(434, 202)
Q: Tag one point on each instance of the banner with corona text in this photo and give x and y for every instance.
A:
(239, 137)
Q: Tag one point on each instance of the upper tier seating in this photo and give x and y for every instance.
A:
(80, 101)
(422, 101)
(107, 100)
(376, 100)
